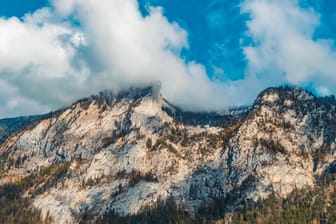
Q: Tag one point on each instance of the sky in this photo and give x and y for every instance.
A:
(208, 55)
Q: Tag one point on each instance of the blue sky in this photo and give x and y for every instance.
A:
(216, 32)
(19, 7)
(208, 55)
(215, 28)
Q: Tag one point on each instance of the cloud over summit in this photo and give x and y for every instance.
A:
(74, 48)
(50, 60)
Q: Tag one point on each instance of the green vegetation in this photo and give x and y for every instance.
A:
(149, 143)
(14, 208)
(109, 141)
(269, 123)
(272, 145)
(90, 182)
(135, 176)
(162, 212)
(17, 211)
(3, 157)
(160, 144)
(181, 137)
(172, 149)
(314, 206)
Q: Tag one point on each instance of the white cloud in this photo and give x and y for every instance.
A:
(132, 49)
(36, 59)
(51, 62)
(285, 49)
(47, 60)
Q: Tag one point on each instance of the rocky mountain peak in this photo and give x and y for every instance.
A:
(133, 94)
(120, 152)
(283, 96)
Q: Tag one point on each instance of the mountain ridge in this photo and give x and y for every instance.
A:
(122, 152)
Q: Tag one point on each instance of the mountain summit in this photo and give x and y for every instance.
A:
(121, 153)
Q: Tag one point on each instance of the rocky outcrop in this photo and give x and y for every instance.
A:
(126, 150)
(9, 126)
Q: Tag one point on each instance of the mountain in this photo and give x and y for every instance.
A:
(9, 126)
(111, 156)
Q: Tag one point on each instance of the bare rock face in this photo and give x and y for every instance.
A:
(125, 151)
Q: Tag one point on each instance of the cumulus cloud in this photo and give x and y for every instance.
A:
(36, 63)
(284, 46)
(74, 48)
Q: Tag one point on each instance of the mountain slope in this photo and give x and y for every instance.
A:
(9, 126)
(123, 152)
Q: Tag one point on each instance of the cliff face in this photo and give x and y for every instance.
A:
(9, 126)
(287, 140)
(122, 152)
